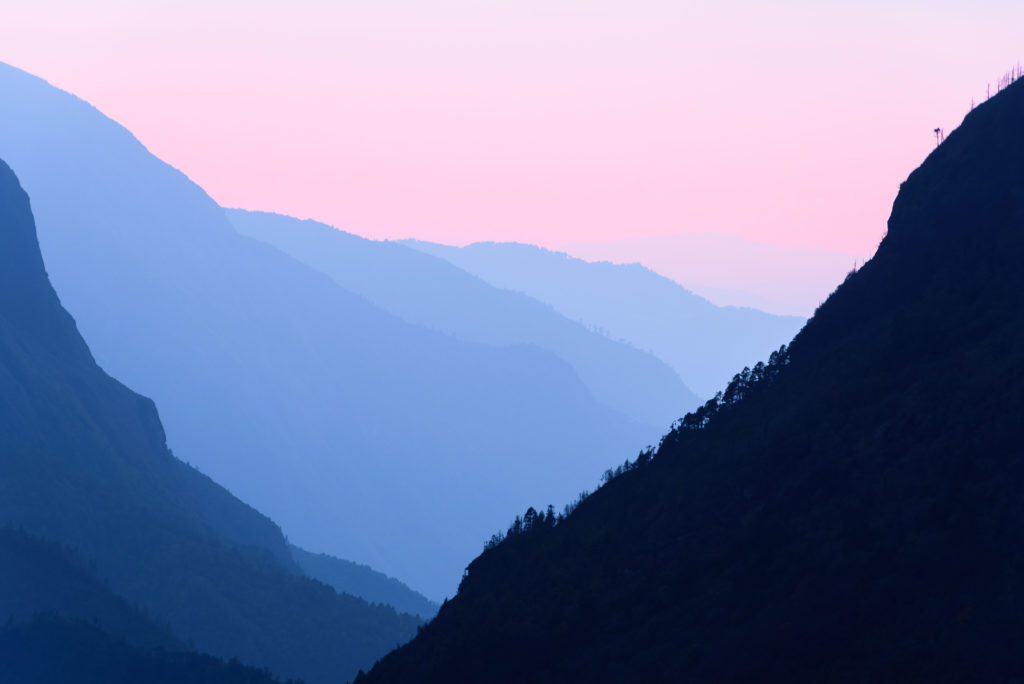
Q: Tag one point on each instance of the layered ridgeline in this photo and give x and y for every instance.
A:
(50, 649)
(849, 512)
(430, 291)
(83, 461)
(731, 270)
(40, 577)
(703, 343)
(364, 582)
(61, 625)
(362, 435)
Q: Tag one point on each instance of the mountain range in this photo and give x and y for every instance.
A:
(330, 380)
(703, 343)
(85, 465)
(341, 421)
(430, 292)
(844, 510)
(596, 316)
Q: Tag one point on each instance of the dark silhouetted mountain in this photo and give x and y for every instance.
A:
(849, 512)
(55, 650)
(363, 581)
(41, 577)
(83, 462)
(704, 343)
(63, 625)
(431, 292)
(361, 435)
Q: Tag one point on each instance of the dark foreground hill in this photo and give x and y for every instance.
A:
(83, 462)
(850, 512)
(54, 650)
(59, 624)
(40, 577)
(363, 581)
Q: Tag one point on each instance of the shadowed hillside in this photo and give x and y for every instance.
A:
(60, 624)
(41, 577)
(54, 650)
(363, 581)
(83, 462)
(849, 512)
(337, 419)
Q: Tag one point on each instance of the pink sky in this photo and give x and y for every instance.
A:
(548, 121)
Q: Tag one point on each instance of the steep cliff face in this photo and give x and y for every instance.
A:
(60, 409)
(83, 462)
(851, 512)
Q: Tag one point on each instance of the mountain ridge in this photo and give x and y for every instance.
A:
(363, 582)
(702, 342)
(85, 464)
(429, 291)
(301, 397)
(848, 512)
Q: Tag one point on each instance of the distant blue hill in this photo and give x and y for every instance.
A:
(704, 343)
(363, 436)
(432, 292)
(363, 581)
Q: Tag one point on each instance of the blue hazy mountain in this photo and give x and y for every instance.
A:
(83, 462)
(849, 511)
(361, 435)
(363, 581)
(429, 291)
(704, 343)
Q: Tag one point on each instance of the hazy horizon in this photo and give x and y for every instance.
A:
(546, 123)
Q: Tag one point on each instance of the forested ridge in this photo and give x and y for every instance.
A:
(847, 512)
(61, 624)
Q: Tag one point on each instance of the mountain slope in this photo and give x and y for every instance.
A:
(851, 512)
(83, 462)
(303, 399)
(40, 577)
(363, 581)
(429, 291)
(54, 650)
(704, 343)
(61, 624)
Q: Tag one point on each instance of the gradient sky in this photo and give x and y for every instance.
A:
(548, 121)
